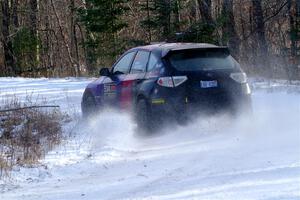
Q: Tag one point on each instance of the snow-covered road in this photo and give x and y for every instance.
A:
(106, 159)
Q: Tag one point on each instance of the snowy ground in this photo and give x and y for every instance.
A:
(106, 159)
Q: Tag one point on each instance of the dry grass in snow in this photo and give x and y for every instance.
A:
(27, 132)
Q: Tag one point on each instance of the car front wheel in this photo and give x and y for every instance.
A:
(88, 106)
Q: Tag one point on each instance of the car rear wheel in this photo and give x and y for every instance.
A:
(144, 116)
(88, 106)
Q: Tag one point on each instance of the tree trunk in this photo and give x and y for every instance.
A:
(74, 42)
(33, 31)
(165, 18)
(260, 38)
(228, 30)
(64, 39)
(148, 21)
(33, 16)
(176, 16)
(294, 22)
(15, 18)
(292, 5)
(9, 61)
(205, 11)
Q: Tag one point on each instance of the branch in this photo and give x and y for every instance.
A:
(28, 107)
(62, 34)
(276, 12)
(267, 19)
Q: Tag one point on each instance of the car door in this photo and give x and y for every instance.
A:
(112, 86)
(132, 81)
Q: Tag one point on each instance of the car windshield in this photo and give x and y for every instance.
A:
(198, 60)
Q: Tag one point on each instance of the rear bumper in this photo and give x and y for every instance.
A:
(178, 102)
(182, 109)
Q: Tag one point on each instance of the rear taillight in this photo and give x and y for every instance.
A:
(171, 81)
(165, 82)
(239, 77)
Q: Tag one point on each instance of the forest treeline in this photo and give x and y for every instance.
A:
(77, 37)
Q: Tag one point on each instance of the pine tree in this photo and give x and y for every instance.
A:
(162, 18)
(149, 23)
(102, 19)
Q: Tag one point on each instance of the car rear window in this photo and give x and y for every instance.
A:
(198, 60)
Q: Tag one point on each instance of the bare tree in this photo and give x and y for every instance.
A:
(63, 36)
(74, 42)
(205, 11)
(294, 21)
(15, 17)
(34, 56)
(9, 60)
(292, 7)
(260, 37)
(228, 28)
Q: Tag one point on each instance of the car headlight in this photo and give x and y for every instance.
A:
(239, 77)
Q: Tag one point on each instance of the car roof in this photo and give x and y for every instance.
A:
(164, 48)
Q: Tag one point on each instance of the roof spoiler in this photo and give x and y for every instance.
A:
(168, 51)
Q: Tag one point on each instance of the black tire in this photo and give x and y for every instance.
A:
(88, 105)
(143, 116)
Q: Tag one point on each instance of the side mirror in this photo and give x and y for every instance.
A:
(104, 72)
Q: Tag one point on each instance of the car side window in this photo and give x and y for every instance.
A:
(122, 67)
(140, 62)
(153, 61)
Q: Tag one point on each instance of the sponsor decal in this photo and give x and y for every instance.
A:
(109, 89)
(158, 101)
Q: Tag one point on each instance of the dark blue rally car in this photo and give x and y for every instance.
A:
(174, 80)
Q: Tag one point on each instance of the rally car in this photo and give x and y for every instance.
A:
(170, 80)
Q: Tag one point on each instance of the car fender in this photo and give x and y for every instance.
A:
(146, 89)
(96, 88)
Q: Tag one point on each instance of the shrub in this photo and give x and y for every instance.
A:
(27, 133)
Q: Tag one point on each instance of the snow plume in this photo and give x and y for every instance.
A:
(276, 115)
(109, 127)
(213, 157)
(273, 119)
